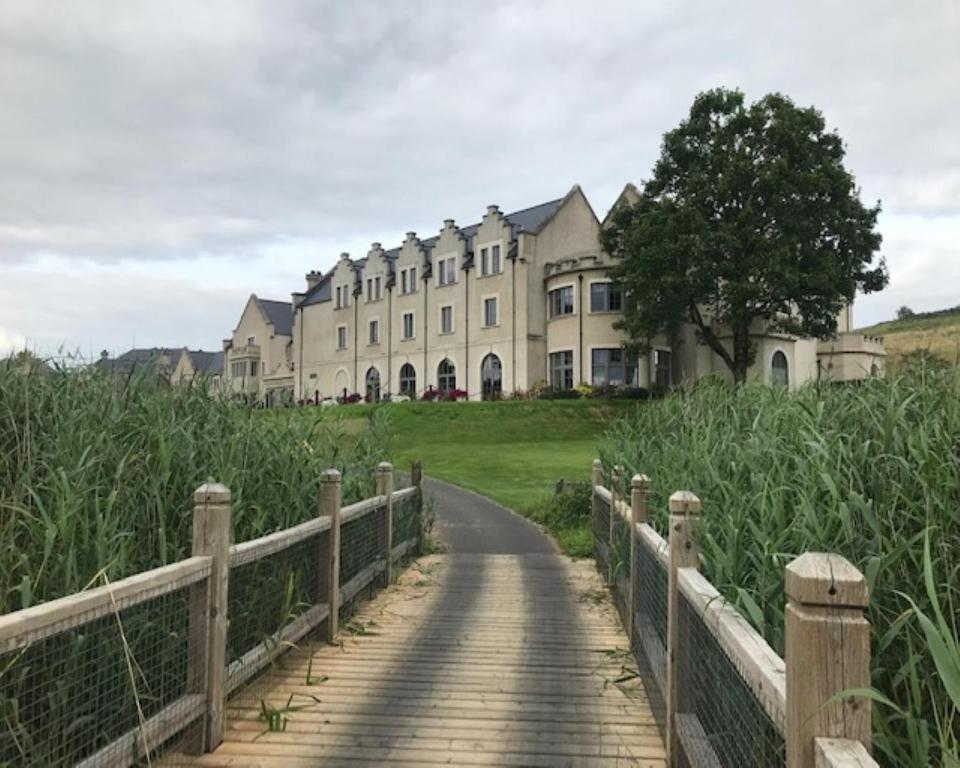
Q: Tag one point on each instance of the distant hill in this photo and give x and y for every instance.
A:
(937, 332)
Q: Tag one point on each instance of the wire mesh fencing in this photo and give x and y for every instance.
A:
(719, 719)
(83, 691)
(619, 554)
(601, 531)
(264, 597)
(406, 525)
(363, 545)
(649, 643)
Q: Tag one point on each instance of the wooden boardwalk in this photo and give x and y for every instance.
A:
(469, 660)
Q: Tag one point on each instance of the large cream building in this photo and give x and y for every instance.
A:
(498, 306)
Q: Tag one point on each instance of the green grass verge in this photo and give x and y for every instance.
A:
(511, 452)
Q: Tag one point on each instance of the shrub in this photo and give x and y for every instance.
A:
(558, 394)
(431, 394)
(455, 394)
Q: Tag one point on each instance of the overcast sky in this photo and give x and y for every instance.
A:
(161, 161)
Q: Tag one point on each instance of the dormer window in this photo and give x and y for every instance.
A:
(374, 288)
(447, 271)
(342, 296)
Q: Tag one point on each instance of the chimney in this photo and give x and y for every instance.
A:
(448, 223)
(411, 235)
(296, 298)
(492, 209)
(104, 355)
(313, 277)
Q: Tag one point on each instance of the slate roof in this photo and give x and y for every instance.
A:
(137, 359)
(206, 363)
(525, 220)
(280, 313)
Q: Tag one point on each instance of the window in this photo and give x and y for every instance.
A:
(561, 370)
(251, 341)
(610, 366)
(373, 385)
(408, 280)
(374, 332)
(491, 376)
(489, 312)
(263, 368)
(341, 337)
(490, 260)
(446, 376)
(446, 274)
(560, 301)
(369, 289)
(779, 369)
(408, 380)
(377, 288)
(238, 369)
(342, 296)
(408, 327)
(663, 362)
(605, 297)
(253, 368)
(446, 319)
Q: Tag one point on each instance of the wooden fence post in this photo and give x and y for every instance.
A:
(616, 479)
(684, 512)
(208, 609)
(416, 479)
(639, 513)
(385, 488)
(330, 499)
(827, 651)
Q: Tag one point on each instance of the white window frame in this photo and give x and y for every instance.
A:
(441, 264)
(574, 365)
(495, 297)
(251, 341)
(346, 337)
(487, 267)
(373, 323)
(377, 287)
(573, 288)
(453, 325)
(413, 325)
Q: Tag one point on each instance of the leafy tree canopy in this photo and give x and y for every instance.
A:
(750, 216)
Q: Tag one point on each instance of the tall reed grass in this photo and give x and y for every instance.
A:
(871, 472)
(97, 474)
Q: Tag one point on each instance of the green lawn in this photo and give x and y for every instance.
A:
(512, 452)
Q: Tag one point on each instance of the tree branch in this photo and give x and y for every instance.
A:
(709, 337)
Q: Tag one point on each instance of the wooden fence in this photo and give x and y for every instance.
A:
(721, 695)
(165, 648)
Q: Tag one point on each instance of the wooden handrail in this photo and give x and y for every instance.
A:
(257, 549)
(21, 628)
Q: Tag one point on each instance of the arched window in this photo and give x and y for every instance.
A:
(408, 380)
(446, 376)
(491, 374)
(779, 369)
(373, 386)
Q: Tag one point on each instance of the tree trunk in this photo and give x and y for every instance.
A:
(741, 353)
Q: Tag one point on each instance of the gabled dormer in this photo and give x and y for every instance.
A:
(449, 254)
(410, 265)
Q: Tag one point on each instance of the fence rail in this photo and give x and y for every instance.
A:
(721, 695)
(113, 674)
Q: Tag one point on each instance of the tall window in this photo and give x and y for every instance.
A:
(374, 334)
(495, 259)
(490, 312)
(342, 296)
(446, 319)
(253, 368)
(408, 280)
(605, 297)
(446, 376)
(490, 260)
(373, 386)
(341, 337)
(663, 363)
(610, 366)
(561, 370)
(446, 271)
(369, 289)
(251, 341)
(408, 380)
(408, 327)
(779, 369)
(491, 375)
(377, 288)
(560, 301)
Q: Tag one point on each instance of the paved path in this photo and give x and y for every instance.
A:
(501, 652)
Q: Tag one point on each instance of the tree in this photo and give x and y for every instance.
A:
(904, 312)
(750, 216)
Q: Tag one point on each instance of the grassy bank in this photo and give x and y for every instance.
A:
(938, 334)
(868, 472)
(512, 452)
